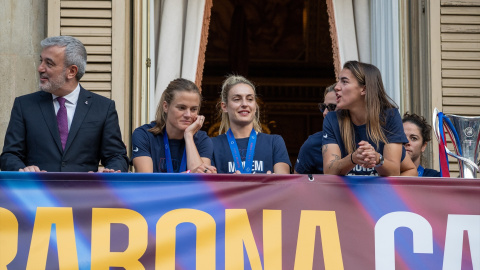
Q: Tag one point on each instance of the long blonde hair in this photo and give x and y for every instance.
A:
(228, 84)
(168, 95)
(377, 101)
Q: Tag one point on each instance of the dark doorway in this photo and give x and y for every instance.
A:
(284, 47)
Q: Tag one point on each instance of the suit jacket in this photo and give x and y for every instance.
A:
(33, 138)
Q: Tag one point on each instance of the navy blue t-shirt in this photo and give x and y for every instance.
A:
(428, 172)
(269, 150)
(393, 130)
(144, 143)
(310, 159)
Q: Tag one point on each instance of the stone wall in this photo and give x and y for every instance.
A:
(23, 24)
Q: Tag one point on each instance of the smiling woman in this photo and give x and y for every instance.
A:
(174, 142)
(242, 147)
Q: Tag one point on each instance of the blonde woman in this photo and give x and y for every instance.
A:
(242, 147)
(365, 135)
(174, 142)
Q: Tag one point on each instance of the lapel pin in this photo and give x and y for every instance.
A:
(86, 102)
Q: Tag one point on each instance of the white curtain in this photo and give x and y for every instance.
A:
(386, 45)
(361, 11)
(352, 21)
(368, 31)
(177, 29)
(346, 32)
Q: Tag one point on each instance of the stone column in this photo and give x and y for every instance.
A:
(22, 27)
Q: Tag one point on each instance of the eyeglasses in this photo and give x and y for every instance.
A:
(330, 107)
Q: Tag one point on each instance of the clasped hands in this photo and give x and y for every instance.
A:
(365, 155)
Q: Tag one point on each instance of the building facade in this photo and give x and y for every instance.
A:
(440, 55)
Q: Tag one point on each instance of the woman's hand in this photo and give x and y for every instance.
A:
(365, 155)
(204, 168)
(195, 126)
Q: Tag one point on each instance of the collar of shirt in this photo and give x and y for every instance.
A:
(71, 98)
(70, 104)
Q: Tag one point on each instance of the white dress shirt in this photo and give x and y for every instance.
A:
(70, 104)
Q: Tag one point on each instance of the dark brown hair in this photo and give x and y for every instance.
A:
(421, 123)
(376, 100)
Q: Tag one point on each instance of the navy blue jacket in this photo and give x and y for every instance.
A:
(32, 136)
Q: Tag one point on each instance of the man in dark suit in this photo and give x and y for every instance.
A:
(63, 127)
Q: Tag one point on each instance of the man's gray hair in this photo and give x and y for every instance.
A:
(75, 52)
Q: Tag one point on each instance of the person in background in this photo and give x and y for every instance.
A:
(242, 147)
(418, 133)
(63, 127)
(365, 135)
(174, 142)
(310, 160)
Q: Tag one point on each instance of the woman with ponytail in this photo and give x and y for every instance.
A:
(174, 142)
(242, 147)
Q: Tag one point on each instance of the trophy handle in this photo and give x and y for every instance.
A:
(435, 124)
(466, 160)
(436, 131)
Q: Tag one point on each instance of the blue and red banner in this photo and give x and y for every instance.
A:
(190, 221)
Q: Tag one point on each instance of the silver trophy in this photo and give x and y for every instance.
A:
(465, 134)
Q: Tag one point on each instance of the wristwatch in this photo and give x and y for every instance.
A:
(380, 163)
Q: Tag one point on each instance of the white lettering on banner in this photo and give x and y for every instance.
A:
(385, 236)
(456, 225)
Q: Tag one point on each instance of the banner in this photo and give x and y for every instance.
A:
(274, 222)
